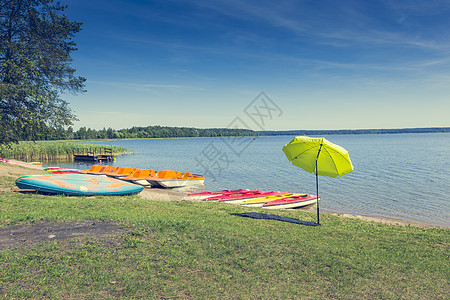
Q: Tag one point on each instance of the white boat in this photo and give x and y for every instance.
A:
(173, 183)
(139, 176)
(142, 182)
(173, 179)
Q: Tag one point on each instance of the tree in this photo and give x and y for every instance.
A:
(36, 40)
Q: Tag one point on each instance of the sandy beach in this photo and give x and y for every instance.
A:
(13, 171)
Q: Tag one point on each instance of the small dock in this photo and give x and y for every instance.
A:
(93, 154)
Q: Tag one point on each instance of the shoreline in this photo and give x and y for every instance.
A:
(387, 221)
(14, 171)
(172, 195)
(288, 132)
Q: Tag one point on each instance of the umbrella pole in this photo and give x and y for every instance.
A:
(317, 185)
(317, 195)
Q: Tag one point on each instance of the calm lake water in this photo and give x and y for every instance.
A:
(399, 176)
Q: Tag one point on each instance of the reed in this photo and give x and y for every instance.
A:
(44, 150)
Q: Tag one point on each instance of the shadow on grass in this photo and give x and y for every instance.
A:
(255, 215)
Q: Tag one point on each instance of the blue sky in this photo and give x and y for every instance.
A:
(325, 64)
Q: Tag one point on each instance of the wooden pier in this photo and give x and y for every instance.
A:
(93, 154)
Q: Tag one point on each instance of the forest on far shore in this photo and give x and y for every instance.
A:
(356, 131)
(135, 132)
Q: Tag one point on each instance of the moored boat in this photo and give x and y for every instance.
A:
(65, 171)
(122, 172)
(139, 176)
(207, 195)
(21, 163)
(174, 179)
(99, 170)
(146, 177)
(259, 201)
(187, 179)
(292, 202)
(78, 185)
(160, 175)
(239, 197)
(94, 168)
(58, 170)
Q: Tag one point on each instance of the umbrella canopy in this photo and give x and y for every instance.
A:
(332, 161)
(318, 156)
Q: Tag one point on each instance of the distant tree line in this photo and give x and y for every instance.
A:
(83, 133)
(134, 132)
(356, 131)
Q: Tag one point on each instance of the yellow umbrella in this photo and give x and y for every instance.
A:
(320, 156)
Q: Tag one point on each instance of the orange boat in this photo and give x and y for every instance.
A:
(123, 172)
(140, 176)
(102, 171)
(94, 168)
(173, 179)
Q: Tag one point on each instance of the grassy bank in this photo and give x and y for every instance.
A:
(49, 150)
(180, 249)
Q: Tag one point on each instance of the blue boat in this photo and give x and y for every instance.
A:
(78, 185)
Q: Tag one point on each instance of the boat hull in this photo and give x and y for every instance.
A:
(174, 183)
(206, 195)
(21, 163)
(296, 202)
(142, 182)
(78, 185)
(259, 201)
(239, 198)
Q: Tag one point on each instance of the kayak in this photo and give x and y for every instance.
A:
(238, 198)
(207, 195)
(292, 202)
(258, 202)
(21, 163)
(78, 185)
(58, 170)
(61, 171)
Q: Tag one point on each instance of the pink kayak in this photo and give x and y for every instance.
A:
(61, 171)
(207, 195)
(292, 202)
(21, 163)
(238, 198)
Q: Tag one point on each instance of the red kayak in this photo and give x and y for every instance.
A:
(65, 172)
(239, 197)
(292, 202)
(207, 195)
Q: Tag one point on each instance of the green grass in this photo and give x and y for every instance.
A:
(201, 250)
(49, 150)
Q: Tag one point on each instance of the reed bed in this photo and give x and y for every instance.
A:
(44, 150)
